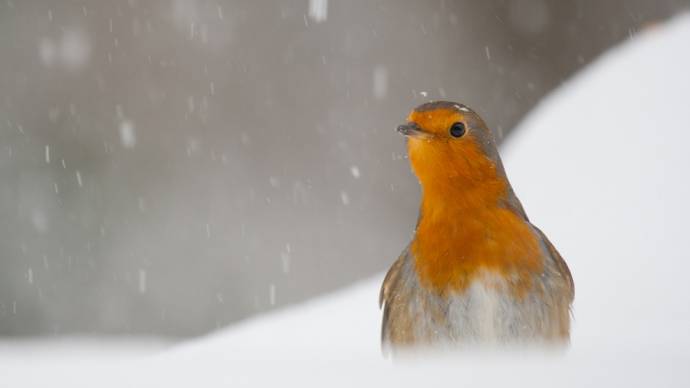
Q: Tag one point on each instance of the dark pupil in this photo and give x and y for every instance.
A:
(457, 129)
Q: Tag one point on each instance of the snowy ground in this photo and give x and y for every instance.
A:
(601, 166)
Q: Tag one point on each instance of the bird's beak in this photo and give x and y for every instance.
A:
(413, 130)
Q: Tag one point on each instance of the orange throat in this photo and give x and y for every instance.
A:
(466, 229)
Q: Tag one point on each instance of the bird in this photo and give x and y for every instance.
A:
(477, 272)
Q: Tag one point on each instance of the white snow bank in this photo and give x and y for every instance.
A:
(77, 349)
(601, 166)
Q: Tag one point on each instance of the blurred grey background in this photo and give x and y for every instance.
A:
(170, 167)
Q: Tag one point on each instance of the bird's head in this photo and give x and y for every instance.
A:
(450, 145)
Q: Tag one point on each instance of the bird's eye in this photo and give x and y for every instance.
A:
(457, 129)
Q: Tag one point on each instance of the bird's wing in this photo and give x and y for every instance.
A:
(390, 282)
(561, 265)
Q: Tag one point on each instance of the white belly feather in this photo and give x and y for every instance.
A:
(488, 312)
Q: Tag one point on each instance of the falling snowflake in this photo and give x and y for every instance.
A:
(344, 198)
(318, 10)
(128, 137)
(354, 170)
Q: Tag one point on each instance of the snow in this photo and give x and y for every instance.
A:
(611, 188)
(354, 170)
(344, 198)
(128, 136)
(72, 50)
(601, 167)
(318, 10)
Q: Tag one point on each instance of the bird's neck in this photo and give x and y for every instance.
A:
(444, 200)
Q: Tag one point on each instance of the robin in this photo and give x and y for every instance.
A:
(477, 271)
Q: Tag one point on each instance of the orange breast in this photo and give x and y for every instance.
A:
(465, 228)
